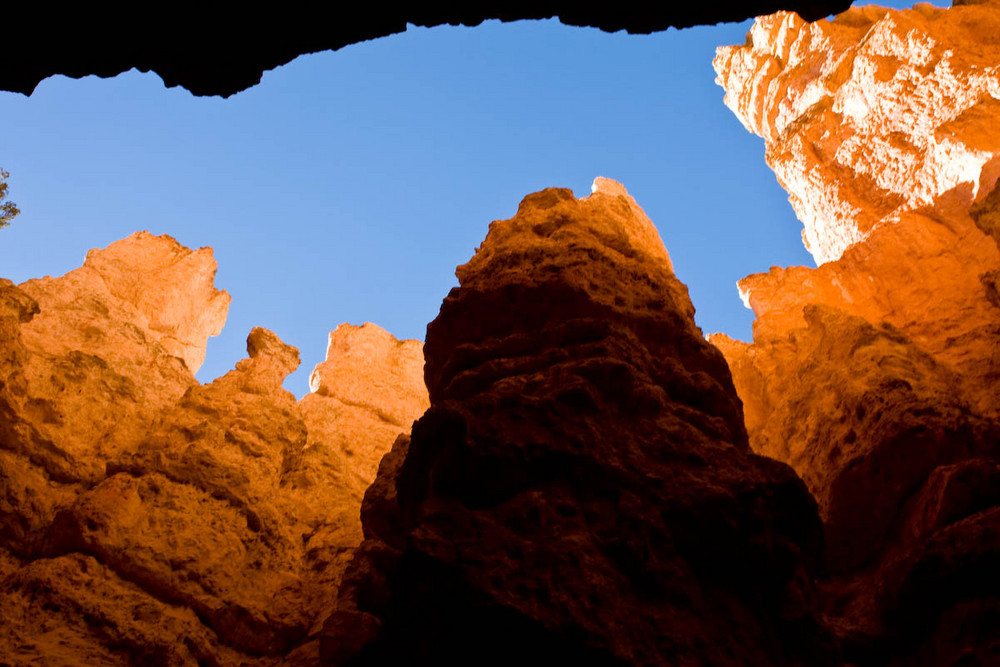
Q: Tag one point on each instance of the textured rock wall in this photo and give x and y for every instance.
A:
(581, 488)
(147, 519)
(876, 374)
(876, 113)
(584, 484)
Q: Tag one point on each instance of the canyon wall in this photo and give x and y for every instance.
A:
(875, 375)
(148, 519)
(567, 471)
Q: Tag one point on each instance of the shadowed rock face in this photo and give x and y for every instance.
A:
(876, 375)
(218, 51)
(581, 488)
(147, 519)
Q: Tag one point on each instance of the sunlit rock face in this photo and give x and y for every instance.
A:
(876, 374)
(875, 113)
(170, 286)
(581, 488)
(90, 361)
(148, 519)
(368, 392)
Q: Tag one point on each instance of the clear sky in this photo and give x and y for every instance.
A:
(348, 185)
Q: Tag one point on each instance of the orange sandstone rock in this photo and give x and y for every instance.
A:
(871, 114)
(144, 285)
(72, 611)
(195, 514)
(367, 367)
(138, 507)
(876, 375)
(171, 288)
(86, 370)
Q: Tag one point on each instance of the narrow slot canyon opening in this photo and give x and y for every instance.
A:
(565, 466)
(347, 186)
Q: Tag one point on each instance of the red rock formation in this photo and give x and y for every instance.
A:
(87, 369)
(875, 113)
(581, 488)
(369, 389)
(138, 507)
(875, 375)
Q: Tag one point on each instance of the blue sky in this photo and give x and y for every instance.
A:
(348, 185)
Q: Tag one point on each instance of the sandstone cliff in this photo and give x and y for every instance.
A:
(876, 374)
(147, 519)
(581, 489)
(874, 113)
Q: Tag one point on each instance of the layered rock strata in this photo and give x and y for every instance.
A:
(581, 488)
(148, 519)
(876, 374)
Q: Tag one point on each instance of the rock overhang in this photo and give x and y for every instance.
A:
(213, 50)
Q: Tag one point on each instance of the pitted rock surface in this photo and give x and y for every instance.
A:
(147, 519)
(581, 481)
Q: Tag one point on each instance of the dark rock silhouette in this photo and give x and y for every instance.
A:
(581, 488)
(221, 50)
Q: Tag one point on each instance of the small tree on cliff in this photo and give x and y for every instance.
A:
(8, 209)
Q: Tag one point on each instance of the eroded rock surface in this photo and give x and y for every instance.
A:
(876, 375)
(581, 488)
(148, 519)
(89, 362)
(872, 114)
